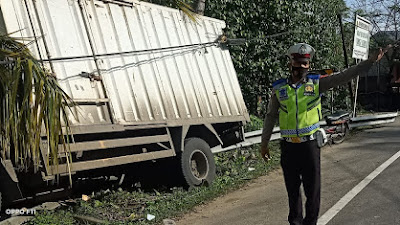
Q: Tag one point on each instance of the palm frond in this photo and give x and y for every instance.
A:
(31, 101)
(187, 10)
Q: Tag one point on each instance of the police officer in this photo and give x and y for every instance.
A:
(296, 101)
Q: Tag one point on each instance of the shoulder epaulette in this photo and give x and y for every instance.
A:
(279, 83)
(313, 76)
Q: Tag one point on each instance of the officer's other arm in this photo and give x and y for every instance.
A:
(352, 72)
(269, 123)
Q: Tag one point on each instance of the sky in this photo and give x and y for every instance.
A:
(382, 26)
(349, 3)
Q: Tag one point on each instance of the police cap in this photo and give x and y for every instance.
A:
(301, 52)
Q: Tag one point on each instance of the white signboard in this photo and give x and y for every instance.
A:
(361, 38)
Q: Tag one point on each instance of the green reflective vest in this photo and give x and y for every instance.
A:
(299, 107)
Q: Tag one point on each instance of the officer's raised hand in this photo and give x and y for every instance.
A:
(375, 57)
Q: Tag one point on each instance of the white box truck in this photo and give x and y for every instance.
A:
(149, 83)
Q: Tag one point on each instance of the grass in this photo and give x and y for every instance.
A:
(132, 207)
(255, 123)
(61, 217)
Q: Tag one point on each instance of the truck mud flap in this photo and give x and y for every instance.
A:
(9, 183)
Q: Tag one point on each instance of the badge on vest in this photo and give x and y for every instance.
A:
(283, 94)
(309, 90)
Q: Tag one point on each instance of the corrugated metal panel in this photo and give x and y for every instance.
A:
(185, 85)
(64, 35)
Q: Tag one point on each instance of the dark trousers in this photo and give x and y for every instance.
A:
(301, 164)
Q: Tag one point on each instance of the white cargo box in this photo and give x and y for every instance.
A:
(181, 80)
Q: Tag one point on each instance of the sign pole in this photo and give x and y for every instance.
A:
(346, 62)
(355, 94)
(360, 48)
(332, 101)
(379, 84)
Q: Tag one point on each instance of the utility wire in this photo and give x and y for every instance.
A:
(395, 44)
(207, 44)
(180, 47)
(368, 4)
(355, 25)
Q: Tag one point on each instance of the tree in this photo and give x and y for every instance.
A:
(200, 7)
(385, 17)
(184, 5)
(384, 14)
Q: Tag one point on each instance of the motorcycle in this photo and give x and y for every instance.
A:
(337, 127)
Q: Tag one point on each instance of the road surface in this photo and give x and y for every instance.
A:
(352, 174)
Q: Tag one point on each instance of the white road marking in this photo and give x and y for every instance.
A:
(328, 215)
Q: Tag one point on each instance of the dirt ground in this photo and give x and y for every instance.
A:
(244, 206)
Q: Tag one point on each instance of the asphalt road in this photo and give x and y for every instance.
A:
(344, 166)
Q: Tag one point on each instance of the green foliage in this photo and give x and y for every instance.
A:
(61, 217)
(184, 5)
(341, 100)
(262, 60)
(168, 3)
(255, 123)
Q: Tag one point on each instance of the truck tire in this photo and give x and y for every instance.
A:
(197, 163)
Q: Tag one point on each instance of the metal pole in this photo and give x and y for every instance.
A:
(355, 96)
(366, 83)
(46, 47)
(378, 83)
(332, 100)
(345, 57)
(34, 32)
(92, 48)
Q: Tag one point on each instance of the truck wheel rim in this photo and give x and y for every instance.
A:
(198, 164)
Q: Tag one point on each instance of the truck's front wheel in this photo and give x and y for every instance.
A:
(197, 162)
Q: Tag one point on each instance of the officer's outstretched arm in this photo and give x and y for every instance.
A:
(345, 76)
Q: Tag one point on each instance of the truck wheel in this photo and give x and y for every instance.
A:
(197, 162)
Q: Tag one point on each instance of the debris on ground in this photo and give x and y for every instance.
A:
(133, 216)
(168, 222)
(85, 198)
(48, 206)
(150, 217)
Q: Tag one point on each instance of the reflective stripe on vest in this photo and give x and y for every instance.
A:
(290, 133)
(300, 107)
